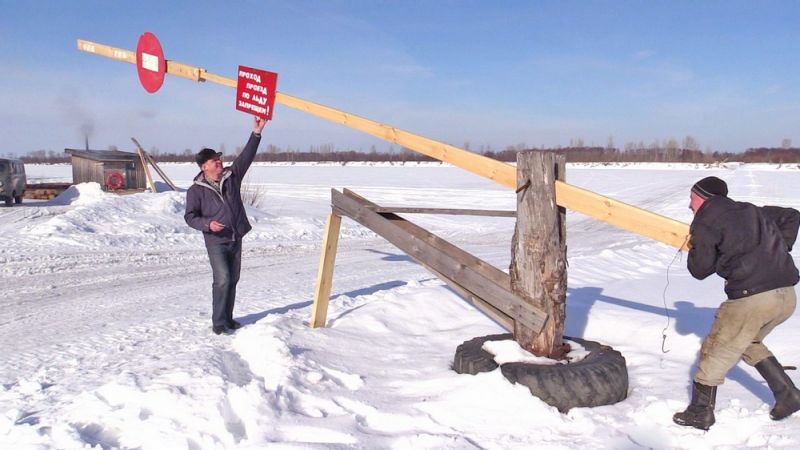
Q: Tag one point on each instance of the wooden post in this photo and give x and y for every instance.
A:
(539, 252)
(319, 312)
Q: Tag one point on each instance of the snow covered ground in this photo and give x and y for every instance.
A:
(106, 338)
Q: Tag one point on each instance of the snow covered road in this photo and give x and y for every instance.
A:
(106, 338)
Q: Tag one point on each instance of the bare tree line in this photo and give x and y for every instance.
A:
(669, 150)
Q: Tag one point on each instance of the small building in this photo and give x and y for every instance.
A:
(112, 169)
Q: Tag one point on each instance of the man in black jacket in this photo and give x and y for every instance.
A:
(749, 247)
(214, 206)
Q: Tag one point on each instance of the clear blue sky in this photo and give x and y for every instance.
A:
(493, 73)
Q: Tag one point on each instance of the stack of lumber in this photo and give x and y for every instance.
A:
(45, 191)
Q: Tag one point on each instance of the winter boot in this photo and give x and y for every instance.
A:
(700, 413)
(787, 396)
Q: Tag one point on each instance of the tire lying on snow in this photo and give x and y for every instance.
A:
(471, 358)
(600, 378)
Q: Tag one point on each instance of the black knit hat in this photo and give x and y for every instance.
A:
(206, 154)
(709, 187)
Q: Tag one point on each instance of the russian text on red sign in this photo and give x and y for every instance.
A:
(255, 91)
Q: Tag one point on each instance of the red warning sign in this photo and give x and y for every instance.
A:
(255, 91)
(150, 63)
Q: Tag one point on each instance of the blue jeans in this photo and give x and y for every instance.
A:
(226, 262)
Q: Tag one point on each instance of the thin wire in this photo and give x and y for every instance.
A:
(664, 298)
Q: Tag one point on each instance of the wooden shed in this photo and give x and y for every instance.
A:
(113, 169)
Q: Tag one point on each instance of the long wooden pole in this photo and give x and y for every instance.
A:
(622, 215)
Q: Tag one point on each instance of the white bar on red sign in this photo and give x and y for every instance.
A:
(150, 62)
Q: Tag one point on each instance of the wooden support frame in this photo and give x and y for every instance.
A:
(622, 215)
(480, 283)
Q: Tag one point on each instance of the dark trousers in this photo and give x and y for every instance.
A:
(226, 262)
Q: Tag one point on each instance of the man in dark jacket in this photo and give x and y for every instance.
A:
(749, 247)
(214, 206)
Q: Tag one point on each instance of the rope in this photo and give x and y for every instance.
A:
(664, 298)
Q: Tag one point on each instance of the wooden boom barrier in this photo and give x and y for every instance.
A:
(614, 212)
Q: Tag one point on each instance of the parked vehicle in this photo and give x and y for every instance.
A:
(12, 181)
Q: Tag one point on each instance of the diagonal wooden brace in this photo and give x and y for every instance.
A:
(470, 274)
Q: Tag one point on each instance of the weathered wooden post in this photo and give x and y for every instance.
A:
(539, 251)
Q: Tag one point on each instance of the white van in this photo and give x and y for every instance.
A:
(12, 180)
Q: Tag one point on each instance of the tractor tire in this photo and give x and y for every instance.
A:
(471, 358)
(601, 378)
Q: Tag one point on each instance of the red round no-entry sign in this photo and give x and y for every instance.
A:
(150, 63)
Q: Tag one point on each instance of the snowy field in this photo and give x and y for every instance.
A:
(105, 321)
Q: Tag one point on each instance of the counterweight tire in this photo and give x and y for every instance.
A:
(601, 378)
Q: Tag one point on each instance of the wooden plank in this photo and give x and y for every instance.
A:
(464, 274)
(623, 215)
(485, 269)
(495, 314)
(145, 168)
(106, 50)
(147, 174)
(160, 172)
(617, 213)
(185, 70)
(478, 164)
(149, 159)
(55, 186)
(492, 169)
(318, 316)
(219, 79)
(522, 311)
(319, 311)
(444, 211)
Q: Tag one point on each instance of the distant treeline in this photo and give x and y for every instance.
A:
(604, 154)
(631, 153)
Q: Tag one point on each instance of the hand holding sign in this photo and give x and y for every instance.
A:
(255, 91)
(258, 124)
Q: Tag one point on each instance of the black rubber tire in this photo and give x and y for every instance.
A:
(18, 199)
(9, 201)
(601, 378)
(472, 359)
